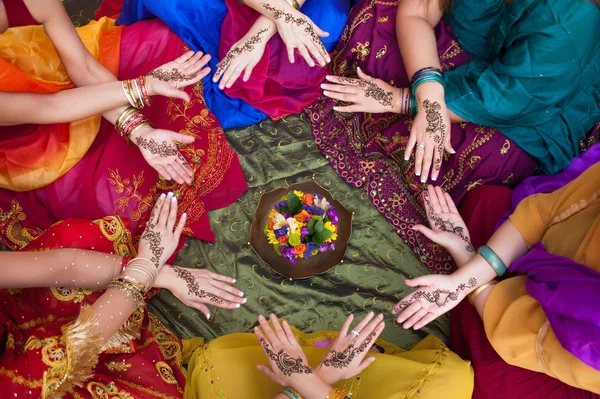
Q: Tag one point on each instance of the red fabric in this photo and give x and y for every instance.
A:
(109, 8)
(494, 378)
(18, 14)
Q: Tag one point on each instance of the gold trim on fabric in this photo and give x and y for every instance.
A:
(147, 390)
(539, 349)
(575, 208)
(118, 366)
(101, 391)
(18, 379)
(428, 373)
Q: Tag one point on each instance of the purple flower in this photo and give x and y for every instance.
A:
(324, 247)
(287, 215)
(281, 205)
(311, 246)
(282, 250)
(292, 261)
(304, 231)
(320, 212)
(281, 232)
(333, 216)
(307, 254)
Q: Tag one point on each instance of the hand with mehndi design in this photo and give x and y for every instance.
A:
(186, 70)
(242, 57)
(160, 150)
(346, 357)
(288, 364)
(430, 133)
(161, 236)
(365, 94)
(298, 32)
(198, 288)
(448, 228)
(434, 296)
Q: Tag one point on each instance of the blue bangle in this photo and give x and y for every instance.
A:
(493, 259)
(429, 77)
(424, 71)
(290, 393)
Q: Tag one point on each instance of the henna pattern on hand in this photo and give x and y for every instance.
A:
(446, 225)
(287, 364)
(170, 76)
(154, 239)
(194, 288)
(248, 47)
(164, 149)
(372, 90)
(279, 13)
(343, 359)
(438, 297)
(435, 128)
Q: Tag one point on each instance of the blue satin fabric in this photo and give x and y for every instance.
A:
(198, 23)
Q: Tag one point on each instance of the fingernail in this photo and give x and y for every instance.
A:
(207, 317)
(358, 68)
(170, 194)
(234, 280)
(326, 92)
(241, 293)
(255, 328)
(174, 199)
(162, 196)
(245, 300)
(423, 180)
(433, 178)
(418, 173)
(237, 305)
(406, 159)
(370, 313)
(272, 316)
(184, 215)
(323, 86)
(261, 317)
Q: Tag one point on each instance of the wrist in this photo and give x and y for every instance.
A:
(151, 85)
(327, 375)
(165, 275)
(312, 386)
(397, 100)
(138, 133)
(478, 269)
(429, 90)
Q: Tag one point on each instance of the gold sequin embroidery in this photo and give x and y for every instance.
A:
(381, 52)
(362, 50)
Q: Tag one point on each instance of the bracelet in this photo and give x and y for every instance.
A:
(124, 263)
(337, 394)
(429, 74)
(145, 260)
(424, 71)
(493, 259)
(294, 3)
(291, 393)
(129, 289)
(473, 295)
(136, 92)
(129, 122)
(147, 99)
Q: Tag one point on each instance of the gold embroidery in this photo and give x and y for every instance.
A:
(14, 234)
(14, 291)
(10, 341)
(397, 201)
(381, 52)
(118, 366)
(114, 230)
(428, 373)
(383, 19)
(508, 179)
(450, 53)
(362, 50)
(17, 379)
(505, 147)
(130, 187)
(168, 343)
(473, 161)
(68, 294)
(110, 391)
(474, 185)
(147, 390)
(367, 166)
(42, 320)
(165, 372)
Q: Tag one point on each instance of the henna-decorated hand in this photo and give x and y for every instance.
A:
(161, 237)
(346, 357)
(366, 94)
(298, 32)
(186, 70)
(288, 364)
(448, 228)
(197, 288)
(430, 134)
(160, 151)
(242, 57)
(434, 296)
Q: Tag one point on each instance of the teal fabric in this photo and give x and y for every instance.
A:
(535, 73)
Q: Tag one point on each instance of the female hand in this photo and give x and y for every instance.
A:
(242, 57)
(186, 70)
(197, 288)
(346, 357)
(435, 295)
(448, 228)
(366, 94)
(430, 132)
(161, 236)
(160, 151)
(287, 361)
(298, 32)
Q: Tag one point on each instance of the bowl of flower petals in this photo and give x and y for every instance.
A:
(300, 231)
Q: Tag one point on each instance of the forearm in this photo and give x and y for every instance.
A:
(260, 25)
(266, 7)
(69, 268)
(416, 39)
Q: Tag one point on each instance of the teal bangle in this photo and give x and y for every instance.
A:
(430, 77)
(493, 259)
(290, 394)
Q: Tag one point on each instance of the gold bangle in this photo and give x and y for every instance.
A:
(294, 3)
(473, 295)
(129, 289)
(337, 394)
(125, 115)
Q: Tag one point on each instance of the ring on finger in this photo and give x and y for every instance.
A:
(355, 333)
(421, 147)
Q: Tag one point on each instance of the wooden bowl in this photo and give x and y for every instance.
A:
(304, 268)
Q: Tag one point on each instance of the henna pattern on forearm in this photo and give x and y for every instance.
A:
(194, 288)
(279, 13)
(343, 359)
(164, 149)
(446, 225)
(435, 128)
(438, 297)
(248, 47)
(372, 90)
(287, 364)
(174, 75)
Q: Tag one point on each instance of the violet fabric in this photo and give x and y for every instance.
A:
(569, 294)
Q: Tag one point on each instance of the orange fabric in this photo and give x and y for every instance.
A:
(34, 156)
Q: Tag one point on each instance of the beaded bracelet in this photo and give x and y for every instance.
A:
(493, 259)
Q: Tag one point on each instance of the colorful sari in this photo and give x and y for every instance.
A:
(276, 88)
(39, 348)
(84, 169)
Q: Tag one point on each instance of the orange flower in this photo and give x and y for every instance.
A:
(308, 199)
(271, 224)
(299, 249)
(301, 217)
(283, 239)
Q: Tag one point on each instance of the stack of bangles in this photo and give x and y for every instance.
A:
(136, 92)
(429, 74)
(130, 121)
(406, 103)
(496, 263)
(131, 286)
(291, 393)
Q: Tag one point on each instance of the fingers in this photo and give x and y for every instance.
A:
(411, 309)
(450, 202)
(227, 73)
(412, 141)
(237, 71)
(349, 108)
(162, 171)
(340, 88)
(369, 328)
(346, 326)
(164, 211)
(349, 98)
(289, 333)
(317, 52)
(180, 226)
(278, 330)
(448, 144)
(441, 199)
(267, 371)
(174, 174)
(182, 172)
(426, 163)
(182, 138)
(291, 49)
(320, 32)
(364, 364)
(433, 200)
(236, 298)
(414, 318)
(419, 159)
(305, 54)
(362, 75)
(248, 72)
(359, 327)
(419, 281)
(343, 80)
(437, 163)
(198, 76)
(172, 215)
(156, 211)
(184, 57)
(202, 308)
(426, 232)
(222, 278)
(191, 65)
(424, 321)
(227, 288)
(173, 92)
(268, 331)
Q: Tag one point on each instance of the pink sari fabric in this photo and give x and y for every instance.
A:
(114, 179)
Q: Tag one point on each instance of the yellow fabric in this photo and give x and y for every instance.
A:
(567, 223)
(226, 368)
(29, 63)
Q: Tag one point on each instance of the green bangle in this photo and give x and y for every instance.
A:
(493, 259)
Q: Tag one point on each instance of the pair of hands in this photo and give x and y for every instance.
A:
(430, 132)
(194, 287)
(289, 367)
(297, 31)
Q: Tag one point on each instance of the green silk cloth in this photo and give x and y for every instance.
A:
(535, 73)
(371, 278)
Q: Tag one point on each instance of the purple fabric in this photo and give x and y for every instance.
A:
(569, 293)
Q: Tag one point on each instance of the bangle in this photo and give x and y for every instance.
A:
(146, 97)
(494, 261)
(337, 394)
(130, 289)
(291, 393)
(424, 71)
(145, 260)
(473, 295)
(129, 122)
(294, 3)
(429, 74)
